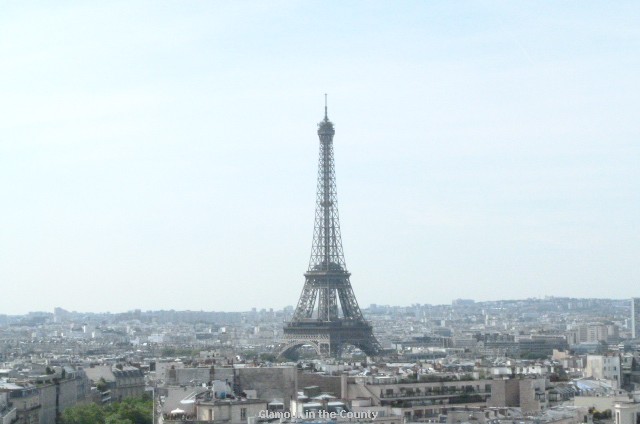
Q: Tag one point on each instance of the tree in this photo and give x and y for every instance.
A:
(117, 419)
(604, 415)
(268, 357)
(102, 385)
(129, 411)
(135, 410)
(83, 414)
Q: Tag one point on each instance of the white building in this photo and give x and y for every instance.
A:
(626, 413)
(604, 367)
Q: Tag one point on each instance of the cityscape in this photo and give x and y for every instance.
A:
(470, 169)
(541, 360)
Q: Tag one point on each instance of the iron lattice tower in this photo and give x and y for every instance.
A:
(328, 316)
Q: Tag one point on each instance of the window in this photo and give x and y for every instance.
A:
(243, 413)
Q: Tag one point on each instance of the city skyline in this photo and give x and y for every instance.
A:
(165, 157)
(290, 308)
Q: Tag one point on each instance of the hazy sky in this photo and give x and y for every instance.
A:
(162, 155)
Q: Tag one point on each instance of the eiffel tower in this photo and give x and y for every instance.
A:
(327, 316)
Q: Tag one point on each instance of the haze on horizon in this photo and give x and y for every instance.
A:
(163, 155)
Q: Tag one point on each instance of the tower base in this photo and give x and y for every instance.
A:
(329, 338)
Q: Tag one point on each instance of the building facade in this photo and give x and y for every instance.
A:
(635, 317)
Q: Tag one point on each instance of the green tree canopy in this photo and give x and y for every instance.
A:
(129, 411)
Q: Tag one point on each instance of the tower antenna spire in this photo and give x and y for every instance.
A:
(325, 107)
